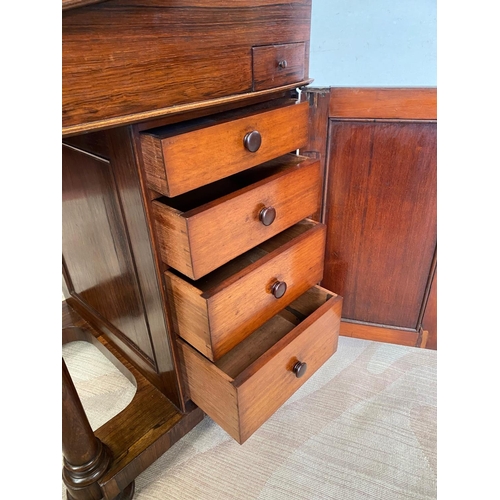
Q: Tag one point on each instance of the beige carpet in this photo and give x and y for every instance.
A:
(363, 427)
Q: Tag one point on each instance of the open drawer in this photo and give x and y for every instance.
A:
(181, 157)
(245, 387)
(206, 228)
(219, 310)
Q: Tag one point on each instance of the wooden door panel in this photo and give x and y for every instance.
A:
(381, 217)
(96, 249)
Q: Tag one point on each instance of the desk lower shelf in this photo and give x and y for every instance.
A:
(143, 431)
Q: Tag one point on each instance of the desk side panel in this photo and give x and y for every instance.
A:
(108, 259)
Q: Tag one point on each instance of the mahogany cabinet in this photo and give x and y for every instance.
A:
(189, 254)
(377, 149)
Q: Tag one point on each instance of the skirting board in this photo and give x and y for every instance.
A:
(383, 334)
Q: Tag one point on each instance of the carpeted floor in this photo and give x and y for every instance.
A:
(363, 427)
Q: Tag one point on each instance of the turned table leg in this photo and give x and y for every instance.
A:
(86, 459)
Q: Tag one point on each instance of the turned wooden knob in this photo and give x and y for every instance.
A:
(252, 141)
(299, 369)
(278, 289)
(283, 64)
(267, 216)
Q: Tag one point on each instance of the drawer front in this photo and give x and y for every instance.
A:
(208, 237)
(214, 322)
(263, 392)
(179, 163)
(241, 402)
(275, 65)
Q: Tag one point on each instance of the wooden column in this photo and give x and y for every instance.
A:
(86, 459)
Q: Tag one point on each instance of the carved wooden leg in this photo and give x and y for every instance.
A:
(86, 459)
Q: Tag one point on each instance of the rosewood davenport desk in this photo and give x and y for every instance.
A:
(191, 253)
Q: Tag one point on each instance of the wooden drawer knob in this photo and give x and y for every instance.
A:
(299, 369)
(283, 64)
(252, 141)
(278, 289)
(267, 215)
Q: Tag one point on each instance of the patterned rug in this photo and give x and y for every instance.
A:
(363, 427)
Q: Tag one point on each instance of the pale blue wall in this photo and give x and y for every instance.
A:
(373, 43)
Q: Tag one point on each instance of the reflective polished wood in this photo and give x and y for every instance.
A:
(379, 148)
(122, 58)
(126, 73)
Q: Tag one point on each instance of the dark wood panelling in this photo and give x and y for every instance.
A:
(96, 249)
(370, 103)
(131, 191)
(381, 218)
(124, 58)
(93, 142)
(148, 305)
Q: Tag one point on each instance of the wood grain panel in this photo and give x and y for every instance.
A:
(96, 248)
(372, 103)
(277, 65)
(172, 114)
(381, 218)
(123, 58)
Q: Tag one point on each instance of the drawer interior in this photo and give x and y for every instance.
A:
(228, 273)
(186, 126)
(252, 352)
(229, 185)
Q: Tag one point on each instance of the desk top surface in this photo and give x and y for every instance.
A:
(124, 62)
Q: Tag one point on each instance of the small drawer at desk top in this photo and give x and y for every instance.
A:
(206, 228)
(247, 385)
(217, 312)
(182, 157)
(276, 65)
